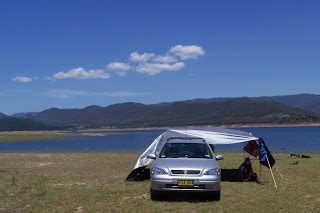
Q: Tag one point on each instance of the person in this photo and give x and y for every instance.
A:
(246, 171)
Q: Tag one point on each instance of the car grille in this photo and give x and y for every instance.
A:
(174, 186)
(185, 172)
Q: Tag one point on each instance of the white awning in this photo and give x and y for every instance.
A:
(209, 135)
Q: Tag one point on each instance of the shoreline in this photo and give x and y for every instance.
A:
(204, 126)
(88, 132)
(16, 136)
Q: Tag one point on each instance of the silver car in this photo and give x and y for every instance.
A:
(185, 165)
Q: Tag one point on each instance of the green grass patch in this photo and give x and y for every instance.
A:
(20, 136)
(93, 182)
(30, 136)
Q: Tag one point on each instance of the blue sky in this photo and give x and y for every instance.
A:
(71, 54)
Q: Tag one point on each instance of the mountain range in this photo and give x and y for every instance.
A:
(309, 102)
(214, 111)
(8, 123)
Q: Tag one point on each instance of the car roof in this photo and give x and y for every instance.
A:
(185, 140)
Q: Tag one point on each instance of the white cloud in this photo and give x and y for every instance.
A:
(156, 68)
(187, 51)
(48, 79)
(119, 67)
(164, 59)
(22, 79)
(80, 73)
(10, 92)
(147, 63)
(67, 94)
(120, 94)
(144, 57)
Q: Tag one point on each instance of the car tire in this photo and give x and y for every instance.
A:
(217, 195)
(154, 195)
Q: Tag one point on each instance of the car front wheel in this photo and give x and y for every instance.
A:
(216, 195)
(154, 195)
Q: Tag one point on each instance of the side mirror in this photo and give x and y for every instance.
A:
(220, 157)
(151, 156)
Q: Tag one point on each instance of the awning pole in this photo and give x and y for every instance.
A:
(259, 161)
(244, 152)
(275, 184)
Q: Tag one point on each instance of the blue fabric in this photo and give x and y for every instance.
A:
(263, 153)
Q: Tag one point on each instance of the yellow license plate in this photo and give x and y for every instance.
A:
(185, 183)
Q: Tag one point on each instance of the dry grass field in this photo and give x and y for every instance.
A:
(95, 182)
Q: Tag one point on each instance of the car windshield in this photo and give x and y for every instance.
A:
(185, 150)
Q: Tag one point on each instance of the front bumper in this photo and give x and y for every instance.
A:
(170, 183)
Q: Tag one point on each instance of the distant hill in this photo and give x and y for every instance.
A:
(8, 123)
(2, 115)
(305, 101)
(24, 115)
(229, 111)
(309, 102)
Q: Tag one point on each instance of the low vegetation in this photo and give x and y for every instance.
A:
(75, 182)
(32, 135)
(23, 136)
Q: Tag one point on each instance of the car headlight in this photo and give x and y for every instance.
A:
(158, 171)
(214, 171)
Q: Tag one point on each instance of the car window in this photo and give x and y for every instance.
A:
(186, 150)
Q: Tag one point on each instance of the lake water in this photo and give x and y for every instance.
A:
(284, 139)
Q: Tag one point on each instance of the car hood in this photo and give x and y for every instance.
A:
(186, 163)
